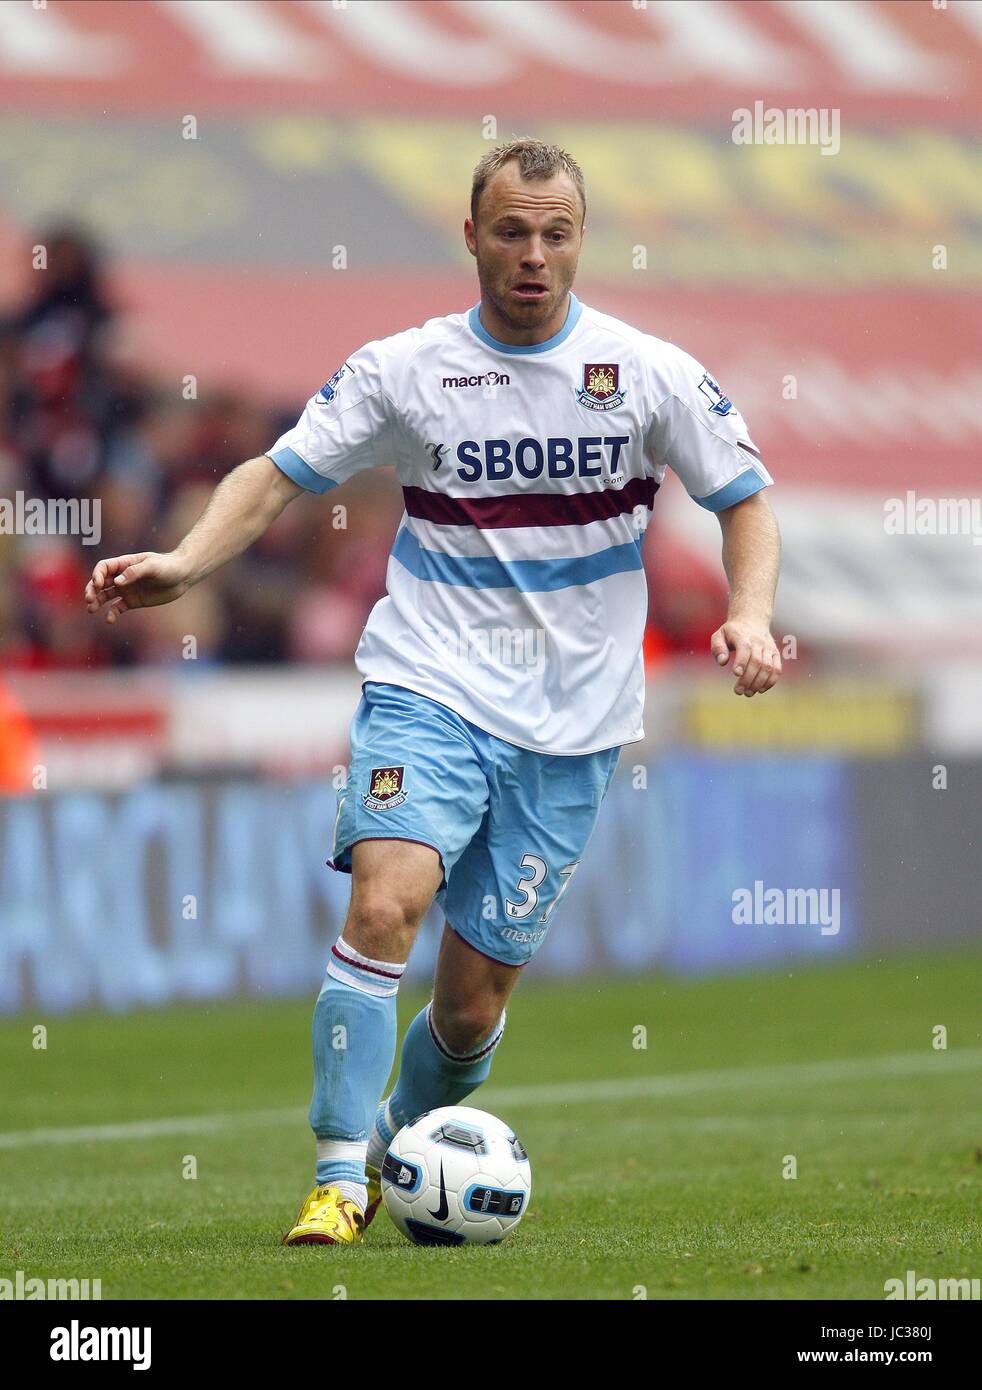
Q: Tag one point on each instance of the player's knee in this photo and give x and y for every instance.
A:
(381, 925)
(463, 1027)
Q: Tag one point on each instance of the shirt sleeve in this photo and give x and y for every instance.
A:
(345, 428)
(698, 432)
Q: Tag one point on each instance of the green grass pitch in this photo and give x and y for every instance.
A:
(656, 1171)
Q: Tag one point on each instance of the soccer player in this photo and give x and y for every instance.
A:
(503, 669)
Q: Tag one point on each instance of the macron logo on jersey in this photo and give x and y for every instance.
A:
(484, 379)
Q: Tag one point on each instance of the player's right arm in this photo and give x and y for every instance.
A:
(344, 428)
(244, 504)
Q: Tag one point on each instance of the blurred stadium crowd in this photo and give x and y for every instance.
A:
(80, 419)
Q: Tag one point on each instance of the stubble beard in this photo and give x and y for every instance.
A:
(534, 313)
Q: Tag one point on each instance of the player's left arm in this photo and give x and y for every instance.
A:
(697, 431)
(751, 558)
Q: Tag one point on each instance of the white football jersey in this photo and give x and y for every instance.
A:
(515, 589)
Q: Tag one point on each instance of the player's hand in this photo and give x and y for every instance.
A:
(756, 659)
(136, 581)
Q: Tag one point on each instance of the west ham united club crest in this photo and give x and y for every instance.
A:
(385, 789)
(600, 386)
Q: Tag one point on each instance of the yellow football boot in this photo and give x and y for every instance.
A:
(374, 1200)
(326, 1218)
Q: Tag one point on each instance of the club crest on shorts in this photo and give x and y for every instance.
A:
(600, 386)
(385, 788)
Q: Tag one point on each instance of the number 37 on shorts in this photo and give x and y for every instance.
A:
(529, 887)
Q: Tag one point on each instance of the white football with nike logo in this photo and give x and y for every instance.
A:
(456, 1176)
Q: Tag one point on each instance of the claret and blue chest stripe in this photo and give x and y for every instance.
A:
(529, 508)
(528, 576)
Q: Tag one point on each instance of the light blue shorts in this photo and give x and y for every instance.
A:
(509, 824)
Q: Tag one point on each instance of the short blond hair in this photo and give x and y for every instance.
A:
(536, 160)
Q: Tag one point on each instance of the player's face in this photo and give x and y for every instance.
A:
(527, 244)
